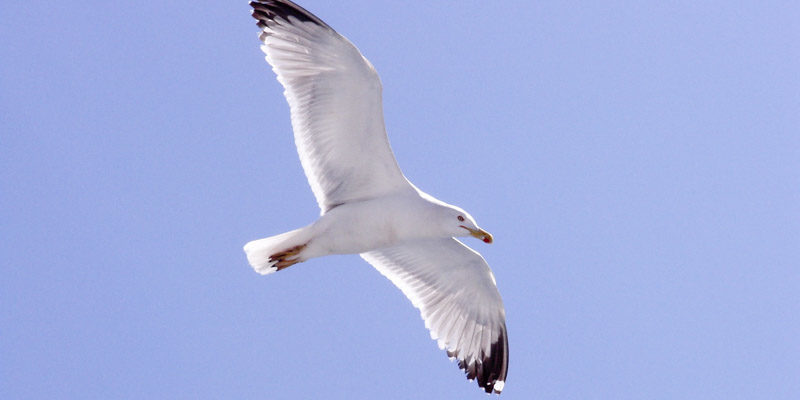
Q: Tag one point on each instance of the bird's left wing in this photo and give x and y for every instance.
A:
(455, 291)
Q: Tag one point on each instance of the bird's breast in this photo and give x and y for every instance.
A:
(364, 226)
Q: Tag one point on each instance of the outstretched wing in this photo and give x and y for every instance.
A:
(455, 291)
(335, 98)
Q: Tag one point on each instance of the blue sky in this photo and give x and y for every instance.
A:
(638, 165)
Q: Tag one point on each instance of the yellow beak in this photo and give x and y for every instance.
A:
(480, 234)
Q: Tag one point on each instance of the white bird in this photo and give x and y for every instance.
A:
(367, 205)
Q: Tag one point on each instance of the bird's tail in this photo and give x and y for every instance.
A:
(277, 252)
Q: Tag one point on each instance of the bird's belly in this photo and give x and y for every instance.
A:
(356, 230)
(357, 238)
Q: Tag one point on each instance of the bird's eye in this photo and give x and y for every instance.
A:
(460, 218)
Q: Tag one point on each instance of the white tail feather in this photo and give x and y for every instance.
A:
(259, 251)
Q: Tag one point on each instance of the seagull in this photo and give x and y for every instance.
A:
(368, 207)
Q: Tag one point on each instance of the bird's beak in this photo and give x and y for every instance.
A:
(480, 234)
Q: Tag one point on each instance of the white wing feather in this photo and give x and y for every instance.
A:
(335, 98)
(455, 291)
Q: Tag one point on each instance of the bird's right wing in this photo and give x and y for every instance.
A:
(335, 98)
(455, 291)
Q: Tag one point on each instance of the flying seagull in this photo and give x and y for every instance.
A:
(367, 205)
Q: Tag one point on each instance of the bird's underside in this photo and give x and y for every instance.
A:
(334, 95)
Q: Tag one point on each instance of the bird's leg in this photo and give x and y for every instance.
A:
(288, 257)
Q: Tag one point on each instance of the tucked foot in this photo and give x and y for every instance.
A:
(287, 258)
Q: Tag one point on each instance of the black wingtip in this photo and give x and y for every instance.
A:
(490, 370)
(268, 10)
(494, 368)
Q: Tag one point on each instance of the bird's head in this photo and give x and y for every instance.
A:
(459, 223)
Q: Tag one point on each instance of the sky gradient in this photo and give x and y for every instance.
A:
(638, 166)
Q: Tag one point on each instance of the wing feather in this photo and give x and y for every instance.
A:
(334, 95)
(455, 291)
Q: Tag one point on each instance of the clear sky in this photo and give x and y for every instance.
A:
(638, 165)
